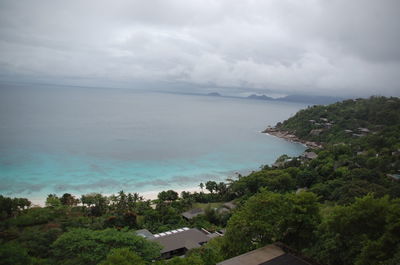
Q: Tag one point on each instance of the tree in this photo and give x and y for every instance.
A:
(211, 186)
(122, 204)
(68, 200)
(96, 202)
(12, 253)
(84, 246)
(35, 216)
(269, 217)
(209, 253)
(221, 188)
(53, 201)
(39, 240)
(10, 207)
(365, 232)
(201, 186)
(122, 256)
(168, 195)
(6, 207)
(281, 182)
(21, 203)
(185, 195)
(131, 202)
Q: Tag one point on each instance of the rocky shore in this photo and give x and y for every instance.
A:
(290, 137)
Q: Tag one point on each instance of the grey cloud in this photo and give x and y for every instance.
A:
(286, 46)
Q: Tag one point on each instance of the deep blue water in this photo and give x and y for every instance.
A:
(79, 140)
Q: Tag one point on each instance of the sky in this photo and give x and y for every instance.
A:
(335, 47)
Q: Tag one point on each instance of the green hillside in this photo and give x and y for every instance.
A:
(344, 121)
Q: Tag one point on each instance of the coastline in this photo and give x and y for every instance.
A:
(288, 136)
(39, 200)
(147, 195)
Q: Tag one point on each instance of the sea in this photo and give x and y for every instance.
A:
(57, 139)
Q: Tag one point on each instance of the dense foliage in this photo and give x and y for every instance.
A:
(333, 120)
(342, 207)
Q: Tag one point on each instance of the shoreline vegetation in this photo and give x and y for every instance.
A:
(146, 195)
(339, 204)
(288, 136)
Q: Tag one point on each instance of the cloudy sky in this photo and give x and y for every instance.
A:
(335, 47)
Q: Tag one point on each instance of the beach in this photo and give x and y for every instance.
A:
(147, 195)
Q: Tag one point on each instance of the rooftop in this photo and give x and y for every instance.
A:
(182, 238)
(229, 205)
(268, 255)
(285, 259)
(188, 238)
(255, 257)
(144, 233)
(192, 213)
(394, 176)
(310, 155)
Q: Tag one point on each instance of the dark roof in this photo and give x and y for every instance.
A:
(255, 257)
(190, 238)
(394, 176)
(286, 259)
(310, 155)
(193, 213)
(223, 210)
(144, 233)
(230, 205)
(268, 255)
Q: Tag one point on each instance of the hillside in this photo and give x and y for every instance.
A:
(344, 121)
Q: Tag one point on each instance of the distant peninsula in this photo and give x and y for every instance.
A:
(310, 99)
(214, 94)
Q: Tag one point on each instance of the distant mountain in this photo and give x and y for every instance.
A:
(321, 100)
(261, 97)
(214, 94)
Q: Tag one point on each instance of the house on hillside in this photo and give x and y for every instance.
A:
(189, 215)
(230, 205)
(309, 155)
(316, 132)
(226, 207)
(268, 255)
(364, 130)
(395, 177)
(178, 242)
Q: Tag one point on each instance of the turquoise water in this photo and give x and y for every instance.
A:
(77, 140)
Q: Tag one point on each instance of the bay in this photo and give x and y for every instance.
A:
(80, 140)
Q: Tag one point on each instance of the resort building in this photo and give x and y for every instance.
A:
(178, 242)
(309, 155)
(189, 215)
(268, 255)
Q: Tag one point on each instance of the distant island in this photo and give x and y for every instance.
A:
(290, 98)
(214, 94)
(261, 97)
(299, 99)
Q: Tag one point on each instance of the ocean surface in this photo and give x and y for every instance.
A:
(81, 140)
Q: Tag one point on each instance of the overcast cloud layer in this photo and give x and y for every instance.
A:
(335, 47)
